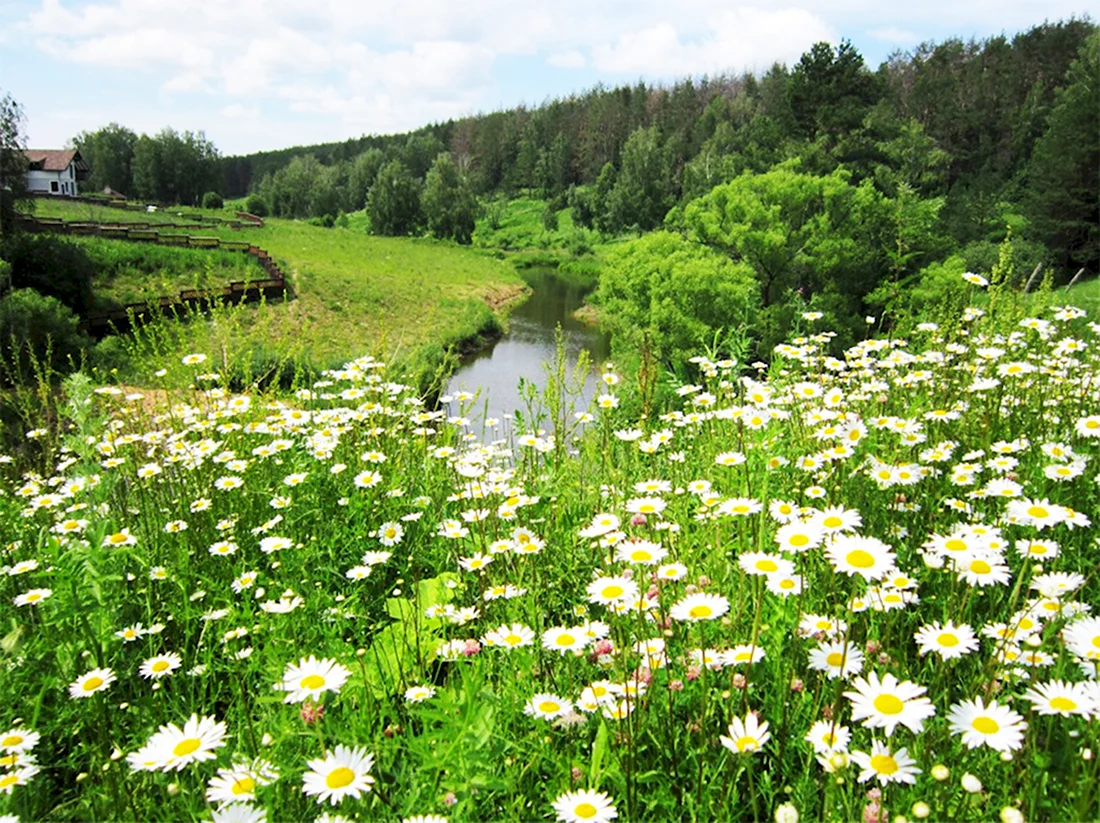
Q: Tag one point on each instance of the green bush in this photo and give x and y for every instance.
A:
(51, 266)
(38, 328)
(255, 204)
(212, 200)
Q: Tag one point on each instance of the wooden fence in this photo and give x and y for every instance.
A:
(124, 318)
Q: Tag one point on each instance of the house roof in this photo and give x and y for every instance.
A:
(54, 159)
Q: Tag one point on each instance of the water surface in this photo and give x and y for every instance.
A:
(527, 345)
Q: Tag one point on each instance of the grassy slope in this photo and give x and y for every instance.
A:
(354, 290)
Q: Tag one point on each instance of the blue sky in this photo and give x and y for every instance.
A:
(265, 74)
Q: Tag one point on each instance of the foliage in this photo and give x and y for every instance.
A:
(38, 330)
(673, 295)
(109, 153)
(212, 200)
(257, 205)
(640, 196)
(174, 167)
(448, 204)
(797, 233)
(1064, 172)
(393, 204)
(13, 163)
(52, 266)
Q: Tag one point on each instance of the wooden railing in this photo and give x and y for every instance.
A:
(125, 317)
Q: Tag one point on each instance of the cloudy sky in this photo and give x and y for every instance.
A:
(264, 74)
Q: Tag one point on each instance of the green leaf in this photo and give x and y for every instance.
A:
(599, 750)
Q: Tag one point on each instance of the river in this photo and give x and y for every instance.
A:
(529, 343)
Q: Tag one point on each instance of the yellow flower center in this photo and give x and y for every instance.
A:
(186, 747)
(767, 565)
(8, 780)
(888, 704)
(955, 545)
(1063, 704)
(548, 707)
(585, 811)
(11, 740)
(611, 592)
(313, 681)
(860, 559)
(513, 639)
(948, 640)
(986, 725)
(832, 522)
(245, 785)
(786, 583)
(799, 540)
(1037, 512)
(565, 640)
(160, 665)
(835, 659)
(747, 743)
(92, 683)
(339, 777)
(884, 764)
(700, 611)
(980, 567)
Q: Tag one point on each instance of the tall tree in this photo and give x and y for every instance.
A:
(641, 195)
(1064, 174)
(13, 163)
(109, 153)
(394, 201)
(448, 204)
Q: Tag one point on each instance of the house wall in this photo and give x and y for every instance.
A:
(41, 181)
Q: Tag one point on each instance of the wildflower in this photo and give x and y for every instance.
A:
(418, 694)
(18, 740)
(311, 678)
(32, 597)
(584, 806)
(746, 736)
(18, 777)
(510, 637)
(546, 706)
(887, 703)
(94, 681)
(827, 736)
(120, 538)
(172, 748)
(239, 783)
(886, 766)
(610, 590)
(341, 773)
(160, 666)
(837, 659)
(994, 725)
(947, 640)
(866, 556)
(564, 640)
(696, 607)
(1059, 697)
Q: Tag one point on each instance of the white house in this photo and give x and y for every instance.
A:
(55, 171)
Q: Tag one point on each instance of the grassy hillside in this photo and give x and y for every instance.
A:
(402, 297)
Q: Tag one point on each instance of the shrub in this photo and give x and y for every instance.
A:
(39, 328)
(51, 266)
(212, 200)
(255, 204)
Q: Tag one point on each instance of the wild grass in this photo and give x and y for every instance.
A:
(615, 615)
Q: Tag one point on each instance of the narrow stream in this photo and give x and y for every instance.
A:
(529, 343)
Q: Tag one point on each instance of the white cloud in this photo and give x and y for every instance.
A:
(738, 39)
(381, 65)
(567, 60)
(236, 111)
(895, 36)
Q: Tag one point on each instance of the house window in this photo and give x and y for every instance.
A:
(53, 186)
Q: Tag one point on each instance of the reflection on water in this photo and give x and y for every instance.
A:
(529, 343)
